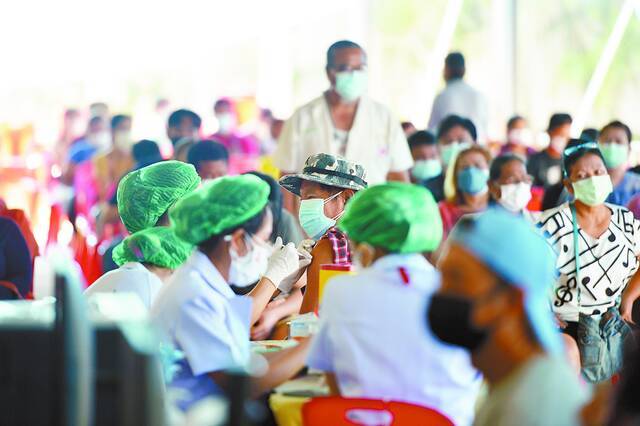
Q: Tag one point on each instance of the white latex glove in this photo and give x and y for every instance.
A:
(282, 263)
(306, 246)
(304, 260)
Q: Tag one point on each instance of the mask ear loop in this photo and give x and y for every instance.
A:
(334, 196)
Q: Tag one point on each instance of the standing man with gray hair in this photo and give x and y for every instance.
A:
(344, 122)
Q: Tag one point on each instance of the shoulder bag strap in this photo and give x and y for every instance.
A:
(576, 248)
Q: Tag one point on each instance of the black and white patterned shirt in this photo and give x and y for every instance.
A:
(607, 263)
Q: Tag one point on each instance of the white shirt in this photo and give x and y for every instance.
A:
(606, 263)
(375, 338)
(132, 277)
(200, 315)
(461, 99)
(375, 141)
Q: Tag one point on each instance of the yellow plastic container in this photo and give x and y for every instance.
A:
(328, 272)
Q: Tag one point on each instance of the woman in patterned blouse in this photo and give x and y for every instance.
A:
(608, 246)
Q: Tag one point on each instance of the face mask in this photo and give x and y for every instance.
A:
(123, 141)
(615, 154)
(515, 196)
(473, 180)
(312, 218)
(519, 137)
(426, 169)
(593, 191)
(558, 144)
(350, 85)
(101, 140)
(225, 122)
(450, 320)
(449, 152)
(246, 270)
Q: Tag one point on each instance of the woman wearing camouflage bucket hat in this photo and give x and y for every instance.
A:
(325, 185)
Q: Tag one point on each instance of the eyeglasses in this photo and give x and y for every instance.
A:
(349, 68)
(573, 149)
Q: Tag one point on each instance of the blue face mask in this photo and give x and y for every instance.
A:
(473, 180)
(312, 218)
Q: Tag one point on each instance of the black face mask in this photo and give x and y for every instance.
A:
(450, 320)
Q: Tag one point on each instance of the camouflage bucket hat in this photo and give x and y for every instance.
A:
(328, 170)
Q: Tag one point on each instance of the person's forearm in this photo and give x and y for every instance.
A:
(282, 367)
(290, 306)
(332, 382)
(261, 296)
(632, 292)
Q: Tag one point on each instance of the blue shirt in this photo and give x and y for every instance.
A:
(200, 316)
(15, 261)
(625, 190)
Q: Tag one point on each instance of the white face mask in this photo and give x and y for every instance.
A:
(248, 269)
(101, 140)
(123, 141)
(520, 137)
(226, 122)
(558, 143)
(515, 196)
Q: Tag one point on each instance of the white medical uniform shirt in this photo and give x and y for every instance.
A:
(200, 315)
(461, 99)
(375, 141)
(132, 277)
(375, 338)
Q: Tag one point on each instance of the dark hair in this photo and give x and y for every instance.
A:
(495, 170)
(569, 160)
(116, 120)
(420, 138)
(207, 150)
(406, 125)
(558, 120)
(339, 45)
(176, 118)
(95, 120)
(452, 121)
(275, 199)
(454, 63)
(618, 125)
(251, 226)
(590, 135)
(146, 152)
(222, 102)
(513, 120)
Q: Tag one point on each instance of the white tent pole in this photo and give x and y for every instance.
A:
(606, 58)
(443, 42)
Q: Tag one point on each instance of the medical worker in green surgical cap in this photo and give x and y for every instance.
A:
(145, 259)
(373, 341)
(198, 312)
(148, 257)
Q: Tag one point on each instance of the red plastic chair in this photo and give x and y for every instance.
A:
(370, 412)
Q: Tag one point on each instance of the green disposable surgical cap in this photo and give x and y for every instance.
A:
(220, 205)
(396, 217)
(144, 195)
(158, 246)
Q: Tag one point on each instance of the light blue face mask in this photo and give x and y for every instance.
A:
(450, 152)
(426, 169)
(312, 217)
(350, 85)
(473, 180)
